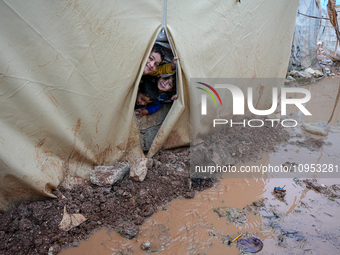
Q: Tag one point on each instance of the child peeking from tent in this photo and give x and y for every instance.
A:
(153, 66)
(147, 93)
(166, 92)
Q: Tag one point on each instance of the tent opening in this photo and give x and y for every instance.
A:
(165, 84)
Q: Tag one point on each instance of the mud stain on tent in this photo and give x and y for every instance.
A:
(44, 64)
(40, 143)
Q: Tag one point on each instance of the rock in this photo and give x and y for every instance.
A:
(129, 230)
(310, 70)
(259, 203)
(146, 245)
(301, 76)
(288, 82)
(316, 127)
(291, 78)
(318, 73)
(139, 169)
(190, 194)
(54, 249)
(106, 176)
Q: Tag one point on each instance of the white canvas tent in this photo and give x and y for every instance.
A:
(69, 72)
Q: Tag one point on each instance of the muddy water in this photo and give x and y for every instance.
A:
(193, 227)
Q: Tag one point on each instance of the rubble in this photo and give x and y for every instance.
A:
(106, 176)
(129, 230)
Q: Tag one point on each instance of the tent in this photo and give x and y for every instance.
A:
(69, 72)
(304, 47)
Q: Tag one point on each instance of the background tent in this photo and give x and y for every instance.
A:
(69, 72)
(304, 47)
(327, 36)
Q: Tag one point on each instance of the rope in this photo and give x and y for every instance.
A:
(312, 16)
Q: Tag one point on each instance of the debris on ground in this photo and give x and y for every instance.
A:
(259, 203)
(249, 245)
(332, 191)
(316, 127)
(129, 230)
(310, 143)
(234, 215)
(35, 225)
(106, 176)
(70, 221)
(139, 169)
(279, 193)
(289, 166)
(146, 245)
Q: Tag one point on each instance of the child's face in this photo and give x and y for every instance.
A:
(165, 84)
(142, 99)
(153, 61)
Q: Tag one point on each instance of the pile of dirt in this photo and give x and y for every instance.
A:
(332, 191)
(239, 144)
(311, 143)
(33, 227)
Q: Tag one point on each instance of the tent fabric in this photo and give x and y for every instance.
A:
(304, 47)
(328, 38)
(69, 74)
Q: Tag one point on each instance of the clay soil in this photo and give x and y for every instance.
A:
(33, 227)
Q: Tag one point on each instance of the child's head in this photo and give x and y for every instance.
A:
(166, 84)
(155, 58)
(147, 93)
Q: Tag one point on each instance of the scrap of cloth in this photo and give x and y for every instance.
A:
(250, 245)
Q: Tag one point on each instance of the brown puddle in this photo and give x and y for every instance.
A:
(191, 226)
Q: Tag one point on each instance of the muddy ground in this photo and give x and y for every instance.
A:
(33, 227)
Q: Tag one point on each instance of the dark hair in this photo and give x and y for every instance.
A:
(158, 49)
(171, 92)
(149, 90)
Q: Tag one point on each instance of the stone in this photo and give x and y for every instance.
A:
(291, 78)
(106, 176)
(259, 203)
(146, 245)
(303, 74)
(54, 249)
(318, 73)
(316, 127)
(129, 230)
(310, 70)
(139, 169)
